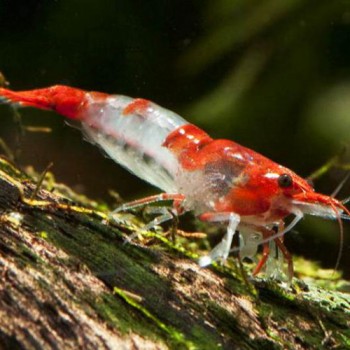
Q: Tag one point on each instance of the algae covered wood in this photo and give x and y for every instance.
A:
(69, 281)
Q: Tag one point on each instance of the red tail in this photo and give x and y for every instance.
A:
(64, 100)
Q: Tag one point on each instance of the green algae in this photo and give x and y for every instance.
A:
(176, 336)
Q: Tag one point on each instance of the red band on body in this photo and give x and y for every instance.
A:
(139, 105)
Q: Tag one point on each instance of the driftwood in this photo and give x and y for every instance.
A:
(68, 281)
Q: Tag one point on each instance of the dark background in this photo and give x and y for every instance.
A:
(272, 75)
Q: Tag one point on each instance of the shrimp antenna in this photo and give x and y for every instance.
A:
(341, 234)
(298, 217)
(345, 216)
(339, 217)
(340, 186)
(345, 200)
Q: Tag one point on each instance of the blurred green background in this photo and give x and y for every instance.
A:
(273, 75)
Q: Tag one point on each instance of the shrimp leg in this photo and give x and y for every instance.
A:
(262, 261)
(165, 213)
(222, 250)
(287, 256)
(176, 197)
(266, 250)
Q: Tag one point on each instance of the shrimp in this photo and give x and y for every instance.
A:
(219, 180)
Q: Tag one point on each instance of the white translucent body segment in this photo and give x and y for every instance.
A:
(249, 243)
(274, 263)
(134, 140)
(199, 196)
(222, 250)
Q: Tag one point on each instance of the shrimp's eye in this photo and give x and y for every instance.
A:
(285, 180)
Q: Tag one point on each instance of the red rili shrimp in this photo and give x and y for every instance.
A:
(220, 180)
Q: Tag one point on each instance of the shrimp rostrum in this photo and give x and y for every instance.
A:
(219, 180)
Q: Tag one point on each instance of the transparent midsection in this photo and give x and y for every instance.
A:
(135, 140)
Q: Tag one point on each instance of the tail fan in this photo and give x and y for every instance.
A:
(62, 99)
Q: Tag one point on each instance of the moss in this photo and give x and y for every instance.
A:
(113, 265)
(177, 247)
(345, 339)
(334, 306)
(12, 170)
(242, 288)
(270, 316)
(43, 234)
(28, 256)
(127, 314)
(206, 340)
(118, 315)
(176, 337)
(230, 325)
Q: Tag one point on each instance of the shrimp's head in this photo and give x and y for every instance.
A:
(278, 192)
(301, 197)
(257, 187)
